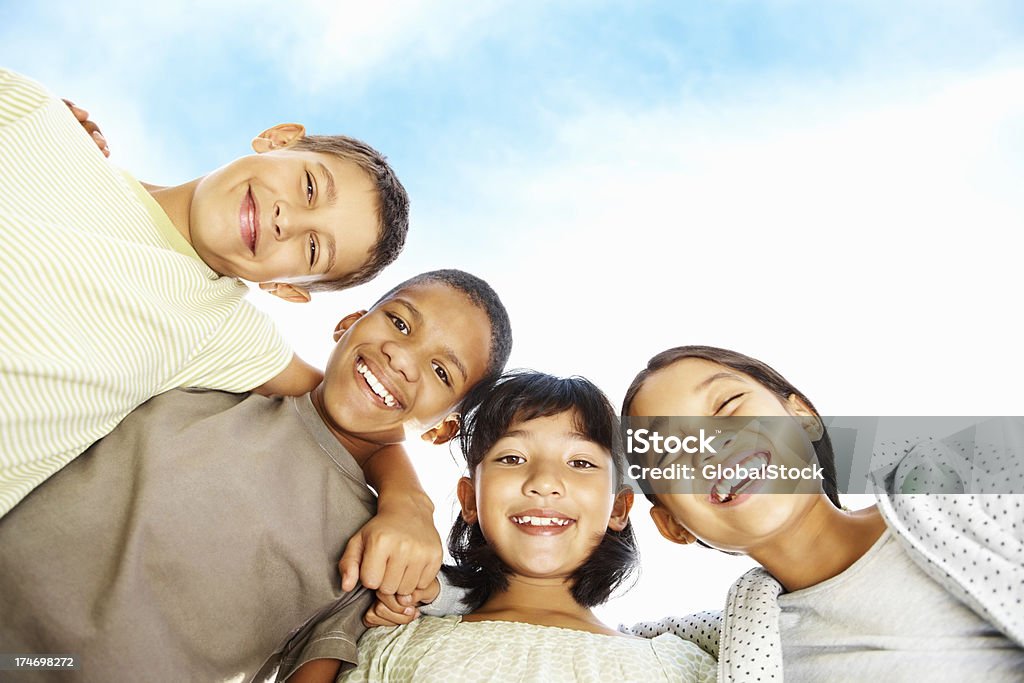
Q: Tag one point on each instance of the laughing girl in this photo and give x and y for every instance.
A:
(918, 587)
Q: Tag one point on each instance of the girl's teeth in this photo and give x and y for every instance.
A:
(541, 521)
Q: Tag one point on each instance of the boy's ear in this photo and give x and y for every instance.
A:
(467, 499)
(809, 420)
(669, 527)
(278, 137)
(620, 511)
(444, 431)
(297, 294)
(346, 323)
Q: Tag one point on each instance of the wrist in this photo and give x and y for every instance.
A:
(407, 501)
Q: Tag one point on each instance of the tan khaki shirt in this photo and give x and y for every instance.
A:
(199, 541)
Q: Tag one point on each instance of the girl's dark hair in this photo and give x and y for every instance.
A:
(488, 412)
(765, 375)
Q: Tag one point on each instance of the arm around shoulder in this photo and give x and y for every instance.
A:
(298, 378)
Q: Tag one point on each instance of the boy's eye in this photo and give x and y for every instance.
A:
(399, 324)
(442, 374)
(309, 187)
(511, 459)
(727, 402)
(581, 464)
(312, 251)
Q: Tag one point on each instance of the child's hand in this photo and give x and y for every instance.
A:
(395, 610)
(397, 551)
(90, 127)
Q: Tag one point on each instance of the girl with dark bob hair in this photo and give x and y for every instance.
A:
(519, 398)
(917, 587)
(543, 537)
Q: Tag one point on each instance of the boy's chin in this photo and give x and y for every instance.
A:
(383, 437)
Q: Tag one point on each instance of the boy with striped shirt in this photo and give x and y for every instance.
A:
(117, 292)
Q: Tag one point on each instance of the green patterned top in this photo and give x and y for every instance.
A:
(449, 649)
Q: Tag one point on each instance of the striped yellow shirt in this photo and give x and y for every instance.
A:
(103, 304)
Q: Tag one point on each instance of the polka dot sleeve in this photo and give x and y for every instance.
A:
(701, 629)
(970, 543)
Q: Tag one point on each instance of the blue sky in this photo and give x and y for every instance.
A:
(833, 187)
(453, 83)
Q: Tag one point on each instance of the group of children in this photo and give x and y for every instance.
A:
(160, 528)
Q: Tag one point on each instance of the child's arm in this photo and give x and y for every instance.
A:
(316, 671)
(296, 379)
(399, 550)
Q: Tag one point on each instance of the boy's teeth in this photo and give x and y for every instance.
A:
(541, 521)
(375, 384)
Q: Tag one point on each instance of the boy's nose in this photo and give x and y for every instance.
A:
(286, 222)
(401, 360)
(280, 222)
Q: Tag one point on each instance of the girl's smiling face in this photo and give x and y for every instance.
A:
(544, 496)
(725, 514)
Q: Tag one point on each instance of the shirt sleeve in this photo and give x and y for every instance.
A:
(449, 600)
(332, 637)
(19, 97)
(245, 352)
(702, 629)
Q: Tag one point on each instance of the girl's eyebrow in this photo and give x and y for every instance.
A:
(527, 434)
(717, 376)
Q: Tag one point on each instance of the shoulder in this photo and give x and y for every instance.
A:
(189, 404)
(702, 629)
(422, 629)
(19, 96)
(683, 657)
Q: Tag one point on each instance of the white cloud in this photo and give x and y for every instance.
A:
(857, 236)
(329, 43)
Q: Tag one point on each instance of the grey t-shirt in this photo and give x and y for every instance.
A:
(198, 541)
(884, 619)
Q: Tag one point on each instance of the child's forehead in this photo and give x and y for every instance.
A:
(694, 376)
(436, 303)
(566, 426)
(429, 291)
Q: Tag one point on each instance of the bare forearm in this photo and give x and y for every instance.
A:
(391, 474)
(399, 549)
(316, 671)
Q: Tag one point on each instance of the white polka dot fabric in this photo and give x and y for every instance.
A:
(971, 544)
(744, 637)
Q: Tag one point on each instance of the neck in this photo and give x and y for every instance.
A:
(176, 201)
(360, 447)
(825, 543)
(544, 602)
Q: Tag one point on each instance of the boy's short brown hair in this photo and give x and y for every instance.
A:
(392, 203)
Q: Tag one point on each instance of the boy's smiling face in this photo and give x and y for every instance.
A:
(285, 215)
(405, 363)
